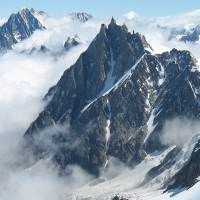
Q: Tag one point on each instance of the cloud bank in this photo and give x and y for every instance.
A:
(24, 81)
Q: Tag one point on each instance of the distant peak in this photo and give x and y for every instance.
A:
(24, 9)
(77, 39)
(44, 49)
(33, 11)
(76, 36)
(81, 16)
(113, 21)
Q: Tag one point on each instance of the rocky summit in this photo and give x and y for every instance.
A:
(184, 35)
(71, 42)
(113, 103)
(81, 16)
(18, 27)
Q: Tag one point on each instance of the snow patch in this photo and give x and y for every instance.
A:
(150, 126)
(17, 36)
(108, 122)
(106, 88)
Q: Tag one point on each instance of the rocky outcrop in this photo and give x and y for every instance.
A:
(72, 42)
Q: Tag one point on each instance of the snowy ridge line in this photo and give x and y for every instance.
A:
(181, 160)
(23, 15)
(194, 93)
(121, 80)
(125, 76)
(134, 133)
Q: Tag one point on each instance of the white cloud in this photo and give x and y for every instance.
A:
(157, 30)
(42, 182)
(130, 15)
(179, 131)
(51, 21)
(2, 21)
(55, 37)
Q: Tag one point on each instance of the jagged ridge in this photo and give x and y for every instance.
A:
(108, 96)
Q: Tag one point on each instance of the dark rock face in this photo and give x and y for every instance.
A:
(18, 27)
(118, 198)
(104, 102)
(85, 81)
(72, 42)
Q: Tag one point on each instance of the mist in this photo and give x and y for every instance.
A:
(157, 30)
(24, 81)
(42, 182)
(178, 131)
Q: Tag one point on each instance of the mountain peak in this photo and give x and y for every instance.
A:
(76, 37)
(24, 9)
(18, 27)
(33, 11)
(112, 21)
(71, 42)
(106, 64)
(113, 26)
(82, 17)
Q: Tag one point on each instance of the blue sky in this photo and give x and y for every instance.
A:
(103, 8)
